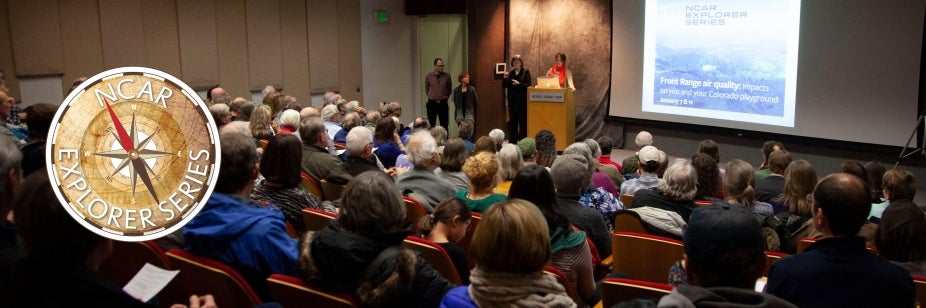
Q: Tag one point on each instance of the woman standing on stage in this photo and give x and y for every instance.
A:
(465, 100)
(559, 70)
(517, 81)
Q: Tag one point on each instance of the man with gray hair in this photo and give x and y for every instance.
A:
(220, 114)
(360, 152)
(317, 162)
(372, 119)
(644, 138)
(332, 118)
(421, 180)
(571, 177)
(269, 94)
(675, 192)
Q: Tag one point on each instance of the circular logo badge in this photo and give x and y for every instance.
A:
(134, 154)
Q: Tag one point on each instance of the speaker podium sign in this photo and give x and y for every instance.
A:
(133, 154)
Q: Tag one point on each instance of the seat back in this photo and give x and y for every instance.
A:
(201, 275)
(436, 256)
(311, 185)
(564, 281)
(316, 219)
(772, 257)
(919, 284)
(331, 191)
(804, 243)
(413, 213)
(629, 221)
(626, 200)
(616, 290)
(291, 291)
(128, 258)
(645, 257)
(468, 238)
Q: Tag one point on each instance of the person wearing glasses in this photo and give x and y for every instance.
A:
(437, 85)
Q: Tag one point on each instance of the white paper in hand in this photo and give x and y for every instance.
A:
(148, 282)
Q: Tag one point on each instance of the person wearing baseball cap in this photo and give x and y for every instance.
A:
(724, 255)
(528, 150)
(648, 164)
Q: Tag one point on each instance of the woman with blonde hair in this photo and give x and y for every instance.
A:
(482, 172)
(513, 277)
(739, 182)
(260, 124)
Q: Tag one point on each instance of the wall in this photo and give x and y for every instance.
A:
(441, 36)
(389, 66)
(241, 45)
(487, 38)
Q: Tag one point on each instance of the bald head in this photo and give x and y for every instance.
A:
(845, 201)
(309, 112)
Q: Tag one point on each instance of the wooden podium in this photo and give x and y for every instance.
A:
(553, 110)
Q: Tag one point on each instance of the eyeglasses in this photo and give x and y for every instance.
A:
(441, 65)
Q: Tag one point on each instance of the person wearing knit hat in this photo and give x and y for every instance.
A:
(725, 254)
(571, 176)
(528, 150)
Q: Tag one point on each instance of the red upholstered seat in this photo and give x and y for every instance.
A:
(644, 257)
(436, 256)
(316, 219)
(201, 275)
(294, 292)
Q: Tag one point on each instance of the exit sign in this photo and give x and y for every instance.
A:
(380, 16)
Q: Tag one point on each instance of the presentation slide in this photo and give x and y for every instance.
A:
(845, 70)
(731, 60)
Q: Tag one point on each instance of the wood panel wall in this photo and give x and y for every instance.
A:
(486, 20)
(302, 46)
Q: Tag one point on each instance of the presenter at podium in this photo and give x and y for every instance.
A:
(517, 81)
(560, 71)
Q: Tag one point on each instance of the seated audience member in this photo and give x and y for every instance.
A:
(360, 152)
(546, 148)
(421, 180)
(484, 144)
(234, 107)
(709, 188)
(440, 137)
(289, 122)
(386, 141)
(898, 185)
(503, 279)
(482, 171)
(309, 112)
(800, 179)
(630, 163)
(648, 162)
(351, 120)
(675, 193)
(607, 144)
(663, 164)
(610, 170)
(875, 170)
(600, 195)
(446, 227)
(571, 177)
(857, 169)
(498, 136)
(11, 249)
(838, 270)
(38, 120)
(261, 123)
(739, 182)
(220, 114)
(419, 124)
(571, 254)
(509, 163)
(710, 148)
(245, 111)
(769, 188)
(332, 118)
(62, 256)
(361, 252)
(466, 134)
(767, 148)
(372, 119)
(317, 162)
(528, 149)
(451, 164)
(238, 231)
(724, 253)
(900, 236)
(280, 187)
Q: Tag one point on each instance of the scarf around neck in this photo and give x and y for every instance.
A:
(501, 289)
(559, 240)
(561, 73)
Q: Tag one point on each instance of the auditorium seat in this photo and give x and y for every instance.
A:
(644, 257)
(435, 255)
(468, 238)
(311, 185)
(291, 291)
(561, 278)
(616, 290)
(413, 213)
(771, 257)
(331, 191)
(316, 219)
(201, 275)
(919, 283)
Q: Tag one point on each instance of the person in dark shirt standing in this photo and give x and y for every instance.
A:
(437, 86)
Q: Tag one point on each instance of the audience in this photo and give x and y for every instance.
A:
(571, 177)
(351, 120)
(857, 169)
(613, 173)
(631, 163)
(838, 270)
(767, 148)
(451, 164)
(900, 236)
(220, 114)
(546, 148)
(386, 141)
(739, 182)
(11, 248)
(332, 118)
(38, 120)
(360, 253)
(279, 166)
(238, 231)
(484, 144)
(446, 227)
(245, 111)
(510, 279)
(875, 170)
(289, 122)
(509, 162)
(674, 194)
(647, 159)
(600, 195)
(317, 162)
(360, 152)
(607, 144)
(428, 188)
(261, 128)
(528, 149)
(440, 137)
(482, 171)
(599, 179)
(724, 254)
(771, 187)
(709, 187)
(800, 179)
(571, 254)
(466, 134)
(898, 185)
